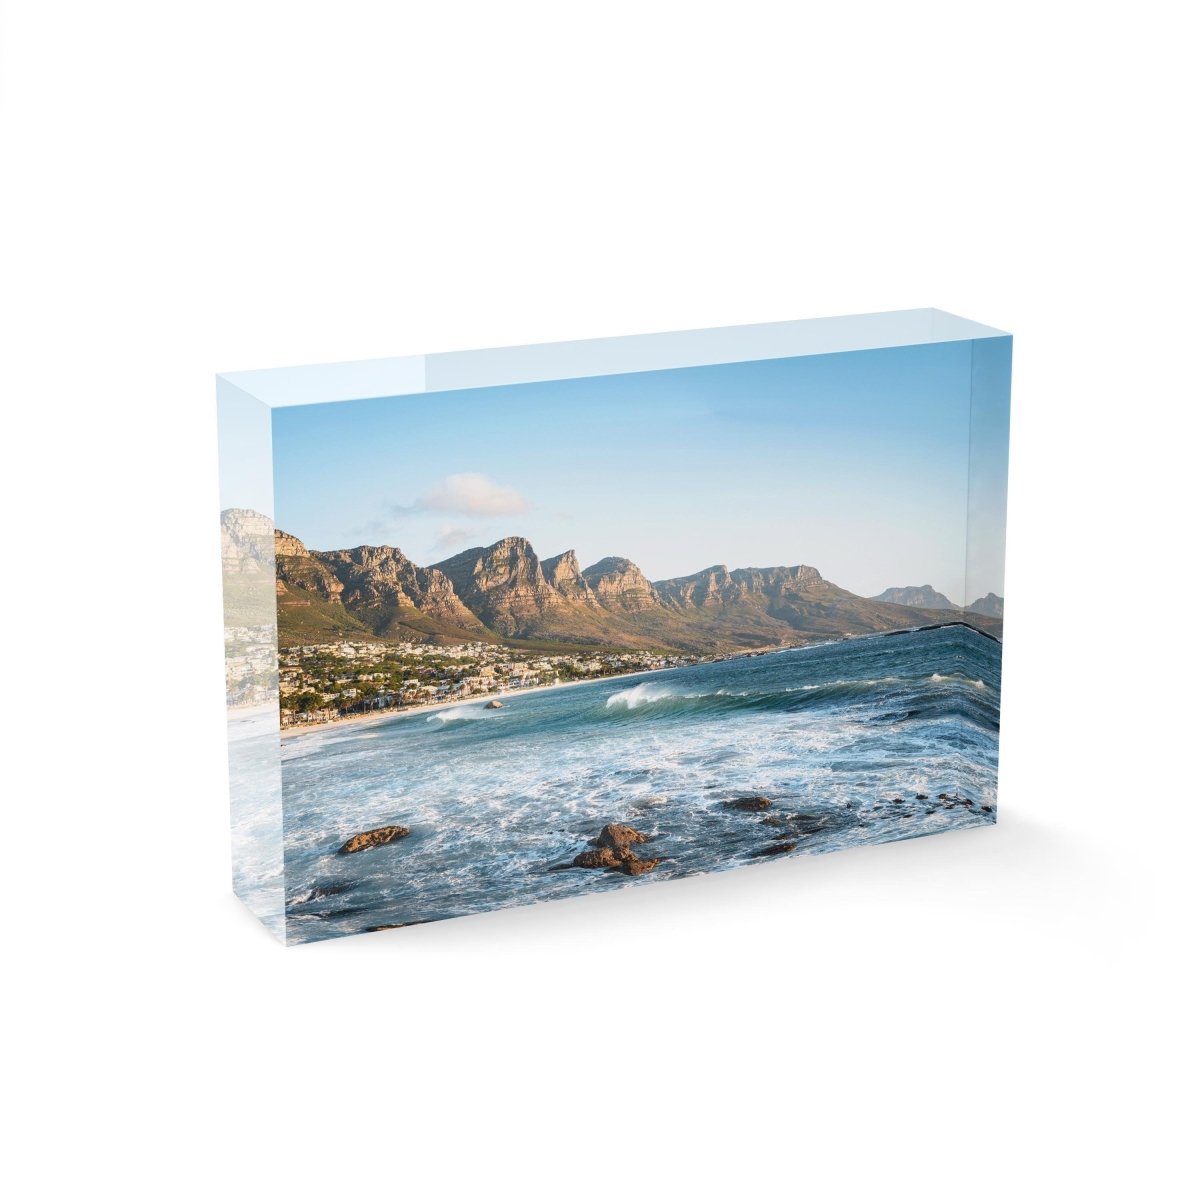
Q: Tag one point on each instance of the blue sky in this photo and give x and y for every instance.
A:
(853, 463)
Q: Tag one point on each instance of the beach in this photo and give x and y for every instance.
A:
(412, 710)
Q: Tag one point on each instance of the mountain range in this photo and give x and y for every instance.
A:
(924, 596)
(506, 593)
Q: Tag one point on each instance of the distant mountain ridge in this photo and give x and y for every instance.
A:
(990, 605)
(506, 593)
(924, 596)
(916, 597)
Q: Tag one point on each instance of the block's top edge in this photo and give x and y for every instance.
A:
(283, 387)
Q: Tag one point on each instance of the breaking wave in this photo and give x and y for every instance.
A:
(448, 715)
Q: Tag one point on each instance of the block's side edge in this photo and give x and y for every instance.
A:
(987, 467)
(251, 653)
(987, 476)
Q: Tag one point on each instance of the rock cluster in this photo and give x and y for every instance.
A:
(613, 852)
(792, 826)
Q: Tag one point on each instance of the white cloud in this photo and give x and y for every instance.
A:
(473, 495)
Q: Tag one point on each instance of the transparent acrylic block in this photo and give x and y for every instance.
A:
(520, 624)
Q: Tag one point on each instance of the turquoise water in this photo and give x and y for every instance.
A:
(842, 738)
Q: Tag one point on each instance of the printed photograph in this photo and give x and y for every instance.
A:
(543, 639)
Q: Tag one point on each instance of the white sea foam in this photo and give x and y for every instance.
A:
(650, 693)
(936, 678)
(841, 683)
(446, 715)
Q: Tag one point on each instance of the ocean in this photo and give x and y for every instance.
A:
(853, 742)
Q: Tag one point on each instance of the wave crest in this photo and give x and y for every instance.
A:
(642, 694)
(455, 714)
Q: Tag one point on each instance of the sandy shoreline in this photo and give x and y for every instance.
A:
(505, 698)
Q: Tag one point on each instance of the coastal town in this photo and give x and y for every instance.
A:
(324, 683)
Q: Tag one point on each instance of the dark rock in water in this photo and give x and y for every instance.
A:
(632, 865)
(777, 848)
(922, 796)
(493, 704)
(987, 808)
(620, 837)
(955, 801)
(897, 800)
(774, 822)
(612, 852)
(323, 891)
(749, 803)
(374, 837)
(607, 858)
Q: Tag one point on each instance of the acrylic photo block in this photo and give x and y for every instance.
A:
(521, 624)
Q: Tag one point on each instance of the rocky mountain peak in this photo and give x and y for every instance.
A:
(924, 596)
(562, 572)
(510, 560)
(379, 558)
(990, 605)
(718, 587)
(246, 521)
(518, 547)
(704, 588)
(619, 585)
(564, 564)
(288, 546)
(504, 585)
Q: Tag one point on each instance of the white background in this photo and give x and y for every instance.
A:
(190, 188)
